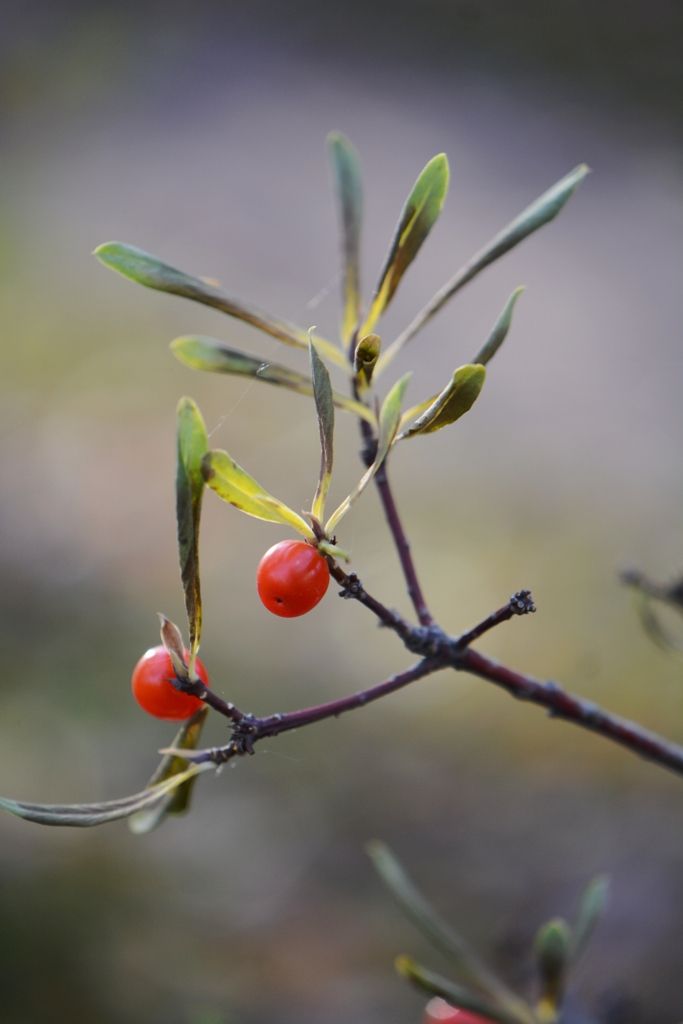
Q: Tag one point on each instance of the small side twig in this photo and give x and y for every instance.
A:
(197, 688)
(521, 603)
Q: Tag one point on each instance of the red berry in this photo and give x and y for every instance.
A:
(291, 578)
(438, 1011)
(154, 691)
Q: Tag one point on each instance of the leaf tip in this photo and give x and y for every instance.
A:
(105, 251)
(403, 965)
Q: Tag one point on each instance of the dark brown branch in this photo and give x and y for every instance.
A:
(402, 547)
(198, 689)
(520, 603)
(352, 588)
(395, 525)
(276, 724)
(570, 708)
(439, 651)
(250, 729)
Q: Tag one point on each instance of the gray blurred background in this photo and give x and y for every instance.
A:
(197, 132)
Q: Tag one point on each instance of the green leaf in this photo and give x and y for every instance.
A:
(324, 405)
(192, 445)
(419, 214)
(177, 801)
(389, 418)
(553, 955)
(436, 985)
(202, 353)
(454, 401)
(87, 815)
(442, 936)
(499, 331)
(591, 908)
(365, 359)
(540, 212)
(653, 626)
(346, 170)
(234, 485)
(146, 269)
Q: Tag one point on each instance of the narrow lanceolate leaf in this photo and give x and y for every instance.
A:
(499, 331)
(652, 624)
(442, 936)
(192, 445)
(202, 353)
(346, 169)
(591, 908)
(389, 419)
(86, 815)
(540, 212)
(553, 954)
(457, 995)
(324, 406)
(234, 485)
(178, 800)
(455, 400)
(419, 214)
(148, 270)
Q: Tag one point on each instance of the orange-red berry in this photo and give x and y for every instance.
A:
(438, 1011)
(154, 691)
(291, 578)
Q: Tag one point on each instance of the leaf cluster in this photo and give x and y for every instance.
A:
(360, 356)
(558, 947)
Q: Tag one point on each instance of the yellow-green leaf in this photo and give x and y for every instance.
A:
(86, 815)
(365, 359)
(540, 212)
(464, 998)
(591, 907)
(178, 800)
(322, 390)
(192, 445)
(148, 270)
(234, 485)
(389, 419)
(419, 214)
(346, 170)
(552, 945)
(440, 934)
(499, 331)
(203, 353)
(454, 401)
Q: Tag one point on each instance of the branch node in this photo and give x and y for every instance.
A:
(522, 603)
(352, 588)
(427, 641)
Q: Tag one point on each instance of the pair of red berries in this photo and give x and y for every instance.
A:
(291, 578)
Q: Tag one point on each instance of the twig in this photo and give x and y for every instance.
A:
(395, 525)
(250, 729)
(197, 688)
(561, 704)
(520, 603)
(402, 547)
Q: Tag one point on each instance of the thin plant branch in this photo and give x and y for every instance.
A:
(395, 526)
(438, 650)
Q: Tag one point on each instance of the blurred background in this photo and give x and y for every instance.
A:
(197, 132)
